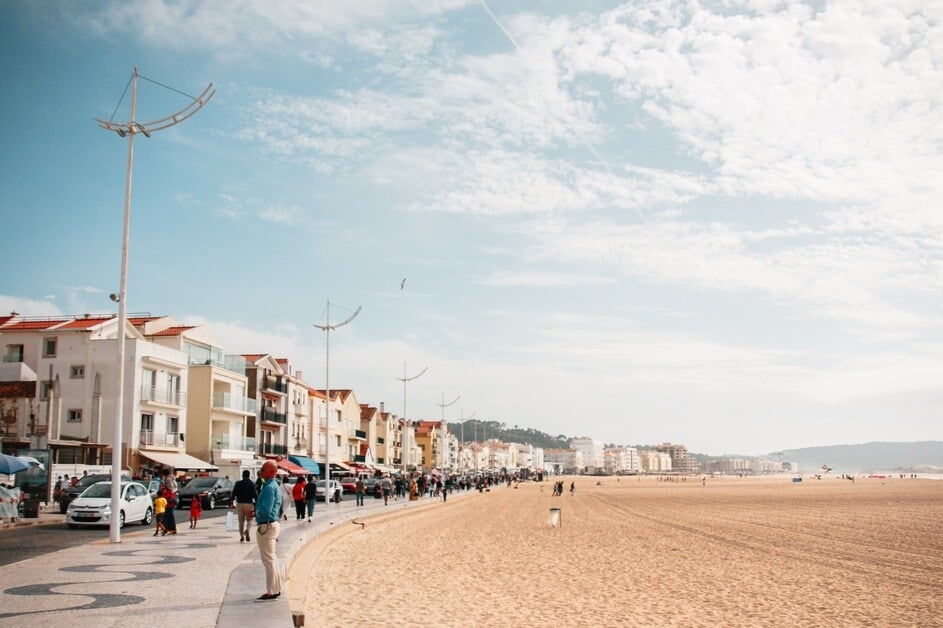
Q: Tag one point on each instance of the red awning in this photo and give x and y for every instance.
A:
(290, 467)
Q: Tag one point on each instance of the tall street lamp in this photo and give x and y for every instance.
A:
(403, 444)
(461, 446)
(327, 328)
(129, 130)
(444, 405)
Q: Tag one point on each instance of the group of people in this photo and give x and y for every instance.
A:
(558, 488)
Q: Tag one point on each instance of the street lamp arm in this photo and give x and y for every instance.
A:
(342, 323)
(416, 376)
(160, 124)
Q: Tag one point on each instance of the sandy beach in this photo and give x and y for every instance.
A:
(629, 552)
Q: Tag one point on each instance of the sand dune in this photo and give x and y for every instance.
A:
(736, 552)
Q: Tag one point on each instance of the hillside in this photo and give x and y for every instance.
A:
(915, 457)
(923, 456)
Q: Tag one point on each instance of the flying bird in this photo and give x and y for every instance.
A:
(402, 284)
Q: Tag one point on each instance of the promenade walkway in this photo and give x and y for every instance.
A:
(197, 578)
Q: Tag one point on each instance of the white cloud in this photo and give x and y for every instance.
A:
(541, 279)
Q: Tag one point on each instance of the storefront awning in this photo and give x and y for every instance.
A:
(290, 467)
(309, 465)
(339, 466)
(178, 461)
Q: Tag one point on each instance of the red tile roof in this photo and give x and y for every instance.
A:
(33, 325)
(85, 323)
(171, 331)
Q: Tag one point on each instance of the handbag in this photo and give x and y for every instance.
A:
(230, 521)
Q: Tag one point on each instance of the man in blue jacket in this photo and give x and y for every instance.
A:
(268, 505)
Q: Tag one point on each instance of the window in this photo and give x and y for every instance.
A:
(75, 415)
(147, 422)
(173, 425)
(49, 347)
(13, 353)
(77, 371)
(44, 387)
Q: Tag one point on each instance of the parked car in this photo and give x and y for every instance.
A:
(93, 506)
(335, 491)
(349, 484)
(71, 492)
(211, 491)
(373, 487)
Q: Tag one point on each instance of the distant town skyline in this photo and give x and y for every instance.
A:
(713, 224)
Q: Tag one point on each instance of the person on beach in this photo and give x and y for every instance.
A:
(268, 510)
(298, 496)
(243, 500)
(196, 509)
(572, 488)
(311, 494)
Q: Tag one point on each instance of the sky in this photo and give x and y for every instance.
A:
(710, 223)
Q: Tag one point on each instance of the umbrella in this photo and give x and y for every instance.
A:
(12, 464)
(33, 461)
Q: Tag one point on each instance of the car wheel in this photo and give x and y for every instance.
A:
(211, 505)
(148, 517)
(121, 519)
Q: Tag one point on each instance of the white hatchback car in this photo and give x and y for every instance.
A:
(93, 507)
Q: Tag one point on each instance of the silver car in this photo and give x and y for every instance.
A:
(93, 506)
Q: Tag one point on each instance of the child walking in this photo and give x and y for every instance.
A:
(160, 505)
(196, 509)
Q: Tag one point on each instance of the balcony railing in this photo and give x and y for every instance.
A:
(276, 384)
(271, 416)
(359, 435)
(360, 458)
(237, 443)
(160, 439)
(163, 395)
(228, 401)
(272, 449)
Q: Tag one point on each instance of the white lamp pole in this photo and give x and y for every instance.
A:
(129, 130)
(461, 445)
(403, 440)
(444, 405)
(326, 328)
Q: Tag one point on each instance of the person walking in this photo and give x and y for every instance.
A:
(311, 494)
(387, 487)
(196, 509)
(298, 496)
(243, 500)
(360, 487)
(160, 505)
(169, 487)
(268, 508)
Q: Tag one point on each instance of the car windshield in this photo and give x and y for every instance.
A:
(102, 489)
(201, 483)
(89, 480)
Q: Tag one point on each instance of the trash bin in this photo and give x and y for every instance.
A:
(31, 505)
(555, 518)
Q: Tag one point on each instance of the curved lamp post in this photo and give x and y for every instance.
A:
(130, 129)
(327, 328)
(444, 405)
(403, 445)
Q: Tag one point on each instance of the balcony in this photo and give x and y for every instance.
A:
(159, 439)
(358, 435)
(238, 443)
(269, 415)
(227, 401)
(275, 384)
(272, 449)
(361, 459)
(166, 396)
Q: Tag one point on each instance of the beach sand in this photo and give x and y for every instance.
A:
(629, 552)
